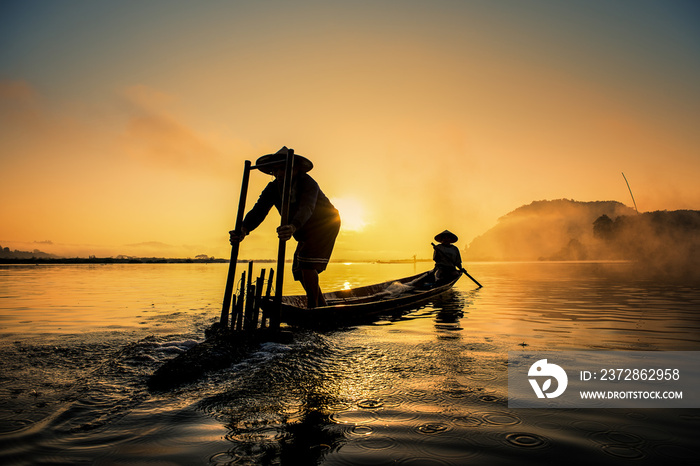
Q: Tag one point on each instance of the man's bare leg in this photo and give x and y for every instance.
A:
(309, 280)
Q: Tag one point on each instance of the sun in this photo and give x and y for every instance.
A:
(352, 216)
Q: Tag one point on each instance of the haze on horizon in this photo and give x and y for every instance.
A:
(124, 125)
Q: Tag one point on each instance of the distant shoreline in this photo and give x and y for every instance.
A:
(160, 260)
(148, 260)
(107, 260)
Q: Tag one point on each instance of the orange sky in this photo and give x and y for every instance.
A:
(124, 125)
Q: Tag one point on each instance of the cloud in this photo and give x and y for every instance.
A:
(154, 134)
(150, 244)
(16, 90)
(19, 107)
(36, 129)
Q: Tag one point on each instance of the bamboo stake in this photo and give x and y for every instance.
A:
(239, 304)
(268, 292)
(258, 294)
(250, 273)
(248, 318)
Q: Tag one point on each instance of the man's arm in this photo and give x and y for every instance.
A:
(262, 207)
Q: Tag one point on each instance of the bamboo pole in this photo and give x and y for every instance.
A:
(230, 278)
(630, 190)
(284, 214)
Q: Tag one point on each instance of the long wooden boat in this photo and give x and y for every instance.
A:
(362, 303)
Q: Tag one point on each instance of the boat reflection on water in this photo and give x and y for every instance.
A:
(449, 309)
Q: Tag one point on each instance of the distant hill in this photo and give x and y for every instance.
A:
(545, 230)
(6, 253)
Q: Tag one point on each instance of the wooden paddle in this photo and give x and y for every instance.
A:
(461, 269)
(230, 278)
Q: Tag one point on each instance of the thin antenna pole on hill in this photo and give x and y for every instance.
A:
(630, 189)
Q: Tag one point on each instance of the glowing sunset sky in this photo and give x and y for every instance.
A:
(124, 125)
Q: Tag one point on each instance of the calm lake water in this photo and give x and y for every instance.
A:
(78, 343)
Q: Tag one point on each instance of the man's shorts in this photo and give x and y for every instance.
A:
(315, 250)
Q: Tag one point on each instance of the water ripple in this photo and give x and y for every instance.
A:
(624, 451)
(617, 437)
(468, 420)
(527, 440)
(362, 430)
(377, 443)
(395, 415)
(432, 428)
(490, 398)
(678, 452)
(353, 417)
(370, 404)
(423, 461)
(501, 418)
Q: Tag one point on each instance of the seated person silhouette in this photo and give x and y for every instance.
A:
(448, 261)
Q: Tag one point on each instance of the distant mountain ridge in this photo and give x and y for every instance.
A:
(544, 230)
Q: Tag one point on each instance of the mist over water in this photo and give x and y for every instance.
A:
(661, 245)
(78, 343)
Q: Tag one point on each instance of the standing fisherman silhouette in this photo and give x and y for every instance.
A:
(313, 221)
